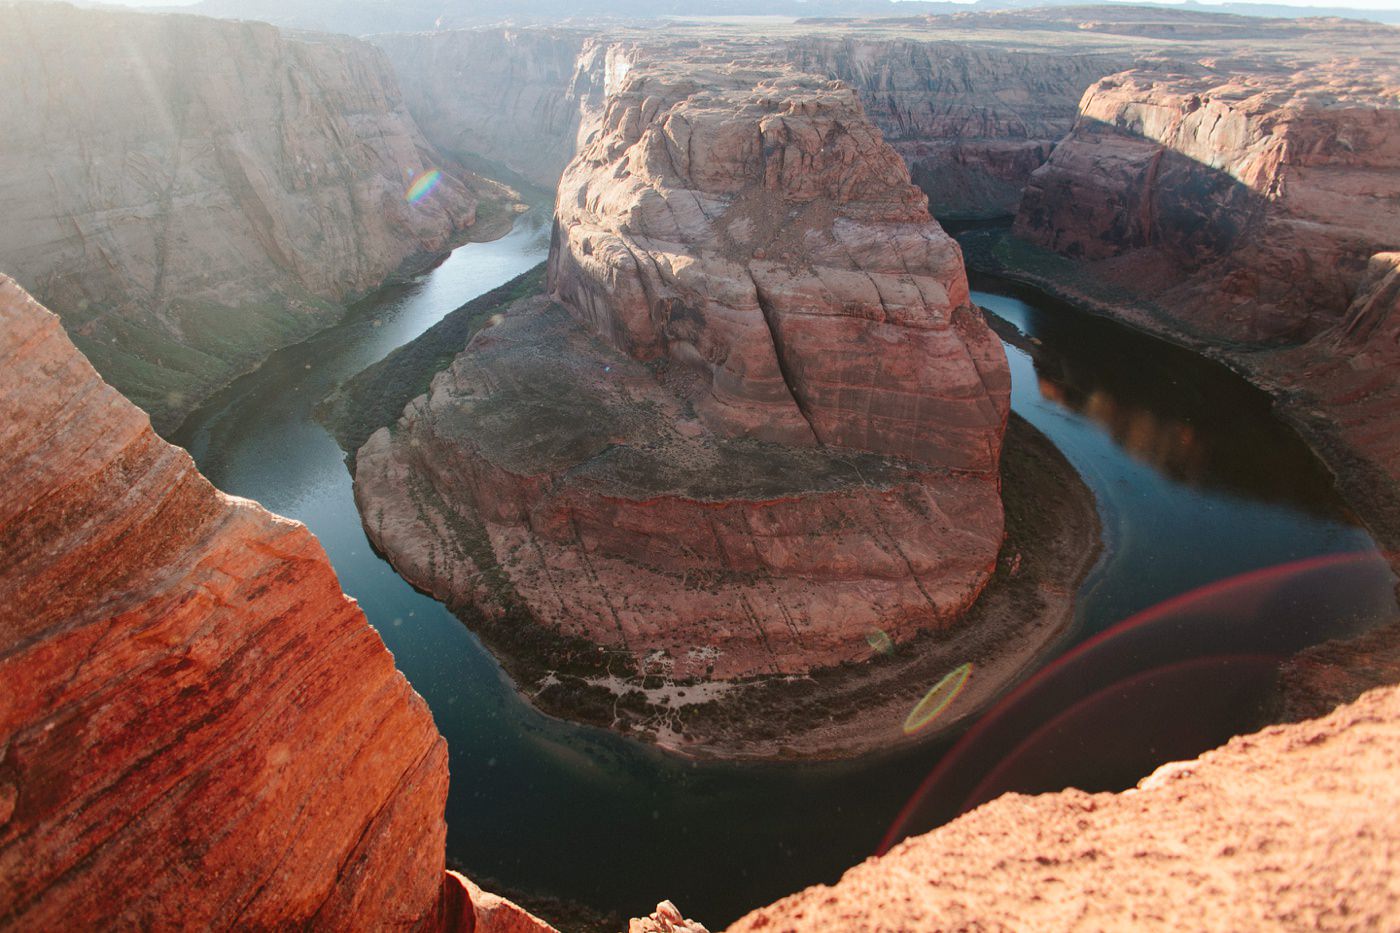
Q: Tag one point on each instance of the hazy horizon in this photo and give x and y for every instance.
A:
(1393, 5)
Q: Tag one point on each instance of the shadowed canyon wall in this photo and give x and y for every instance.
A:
(190, 194)
(972, 121)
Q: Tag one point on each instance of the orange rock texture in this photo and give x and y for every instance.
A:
(197, 729)
(1295, 827)
(189, 194)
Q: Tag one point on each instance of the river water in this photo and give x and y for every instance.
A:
(1196, 482)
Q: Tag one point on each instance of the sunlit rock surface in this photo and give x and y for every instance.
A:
(189, 194)
(1294, 827)
(197, 728)
(751, 227)
(1256, 197)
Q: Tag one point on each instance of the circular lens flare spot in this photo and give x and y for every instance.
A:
(422, 185)
(937, 700)
(879, 642)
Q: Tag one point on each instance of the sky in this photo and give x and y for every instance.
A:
(1352, 4)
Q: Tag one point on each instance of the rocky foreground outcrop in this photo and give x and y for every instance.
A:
(189, 194)
(1294, 827)
(758, 421)
(182, 673)
(198, 729)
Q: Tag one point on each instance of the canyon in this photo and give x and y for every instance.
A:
(182, 671)
(747, 428)
(190, 194)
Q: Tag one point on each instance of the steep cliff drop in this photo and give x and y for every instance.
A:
(1253, 212)
(197, 729)
(756, 432)
(190, 194)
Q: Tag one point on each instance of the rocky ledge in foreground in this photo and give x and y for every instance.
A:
(197, 728)
(1291, 828)
(754, 432)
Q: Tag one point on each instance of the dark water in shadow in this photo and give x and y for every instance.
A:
(548, 809)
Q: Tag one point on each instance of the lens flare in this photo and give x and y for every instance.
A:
(423, 185)
(879, 641)
(936, 700)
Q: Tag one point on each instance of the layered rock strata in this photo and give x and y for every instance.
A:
(1254, 212)
(189, 194)
(973, 121)
(752, 229)
(1259, 196)
(182, 675)
(760, 422)
(1294, 827)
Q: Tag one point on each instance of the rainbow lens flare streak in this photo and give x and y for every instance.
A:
(936, 700)
(423, 185)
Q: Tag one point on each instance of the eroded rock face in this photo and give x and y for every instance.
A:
(546, 470)
(973, 121)
(1255, 211)
(752, 228)
(1292, 827)
(760, 423)
(1256, 199)
(191, 704)
(189, 194)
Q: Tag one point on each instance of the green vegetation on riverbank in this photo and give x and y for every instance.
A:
(377, 396)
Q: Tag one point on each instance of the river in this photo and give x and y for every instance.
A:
(1195, 478)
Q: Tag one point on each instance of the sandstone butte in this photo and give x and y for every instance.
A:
(1253, 212)
(198, 729)
(189, 194)
(757, 420)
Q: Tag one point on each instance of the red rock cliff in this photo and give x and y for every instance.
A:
(753, 228)
(197, 728)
